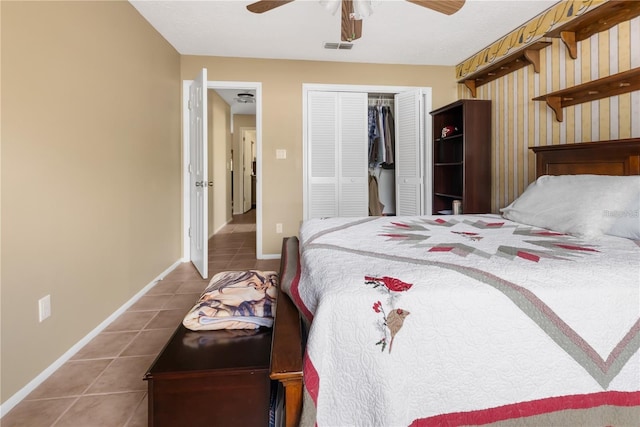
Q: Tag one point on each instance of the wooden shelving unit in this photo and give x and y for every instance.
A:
(599, 19)
(616, 84)
(462, 162)
(520, 58)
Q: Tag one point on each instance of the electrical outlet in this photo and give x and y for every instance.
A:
(278, 228)
(44, 307)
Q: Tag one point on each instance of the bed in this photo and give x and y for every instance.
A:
(471, 319)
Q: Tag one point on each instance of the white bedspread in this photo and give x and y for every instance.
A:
(419, 317)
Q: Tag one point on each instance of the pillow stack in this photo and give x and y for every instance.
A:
(587, 206)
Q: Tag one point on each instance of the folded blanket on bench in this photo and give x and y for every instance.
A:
(235, 300)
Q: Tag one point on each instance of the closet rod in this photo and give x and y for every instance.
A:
(380, 101)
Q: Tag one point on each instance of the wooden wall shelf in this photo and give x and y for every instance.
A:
(616, 84)
(599, 19)
(529, 54)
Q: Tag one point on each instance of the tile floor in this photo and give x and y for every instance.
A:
(101, 385)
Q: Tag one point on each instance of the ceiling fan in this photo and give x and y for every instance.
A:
(351, 27)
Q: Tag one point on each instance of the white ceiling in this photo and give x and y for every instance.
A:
(398, 32)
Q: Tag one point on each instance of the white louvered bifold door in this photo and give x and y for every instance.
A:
(409, 152)
(322, 169)
(353, 182)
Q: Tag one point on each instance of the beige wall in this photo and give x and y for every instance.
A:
(519, 122)
(91, 149)
(239, 121)
(282, 117)
(219, 155)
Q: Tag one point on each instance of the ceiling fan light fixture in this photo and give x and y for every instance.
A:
(245, 98)
(361, 8)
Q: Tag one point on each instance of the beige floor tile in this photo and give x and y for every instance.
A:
(222, 252)
(105, 345)
(71, 379)
(164, 287)
(185, 271)
(123, 374)
(111, 410)
(193, 286)
(244, 256)
(243, 264)
(248, 249)
(149, 302)
(217, 266)
(149, 342)
(167, 319)
(130, 321)
(36, 413)
(139, 418)
(182, 301)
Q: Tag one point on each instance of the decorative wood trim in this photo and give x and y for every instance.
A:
(616, 84)
(530, 54)
(527, 34)
(600, 19)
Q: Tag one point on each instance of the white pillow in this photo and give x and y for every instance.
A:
(627, 222)
(576, 204)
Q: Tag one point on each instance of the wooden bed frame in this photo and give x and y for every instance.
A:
(615, 157)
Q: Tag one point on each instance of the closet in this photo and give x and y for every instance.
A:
(381, 154)
(345, 169)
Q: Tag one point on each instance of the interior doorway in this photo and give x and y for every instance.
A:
(247, 168)
(229, 90)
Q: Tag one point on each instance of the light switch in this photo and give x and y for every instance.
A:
(281, 154)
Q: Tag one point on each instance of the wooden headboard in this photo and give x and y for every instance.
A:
(616, 157)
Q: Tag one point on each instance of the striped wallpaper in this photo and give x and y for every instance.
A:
(519, 123)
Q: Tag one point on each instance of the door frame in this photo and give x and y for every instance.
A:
(186, 210)
(428, 133)
(243, 144)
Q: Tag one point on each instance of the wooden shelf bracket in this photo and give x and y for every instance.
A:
(599, 19)
(569, 40)
(518, 59)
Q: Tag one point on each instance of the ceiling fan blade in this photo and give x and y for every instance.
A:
(266, 5)
(351, 29)
(448, 7)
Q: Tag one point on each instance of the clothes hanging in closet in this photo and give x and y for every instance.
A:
(375, 207)
(381, 136)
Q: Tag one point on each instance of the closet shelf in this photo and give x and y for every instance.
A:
(520, 58)
(616, 84)
(599, 19)
(452, 196)
(450, 138)
(449, 164)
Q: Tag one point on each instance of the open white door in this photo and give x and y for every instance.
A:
(198, 177)
(410, 146)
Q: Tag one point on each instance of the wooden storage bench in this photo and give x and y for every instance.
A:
(211, 378)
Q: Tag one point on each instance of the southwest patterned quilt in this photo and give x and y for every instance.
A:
(464, 320)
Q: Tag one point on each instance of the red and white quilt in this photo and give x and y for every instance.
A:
(450, 320)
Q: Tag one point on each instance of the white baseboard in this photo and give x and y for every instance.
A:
(270, 256)
(24, 391)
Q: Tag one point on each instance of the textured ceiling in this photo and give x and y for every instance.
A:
(398, 32)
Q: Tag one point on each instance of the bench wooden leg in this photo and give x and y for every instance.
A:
(292, 402)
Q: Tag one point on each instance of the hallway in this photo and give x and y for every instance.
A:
(102, 385)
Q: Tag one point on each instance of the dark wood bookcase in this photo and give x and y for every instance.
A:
(462, 160)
